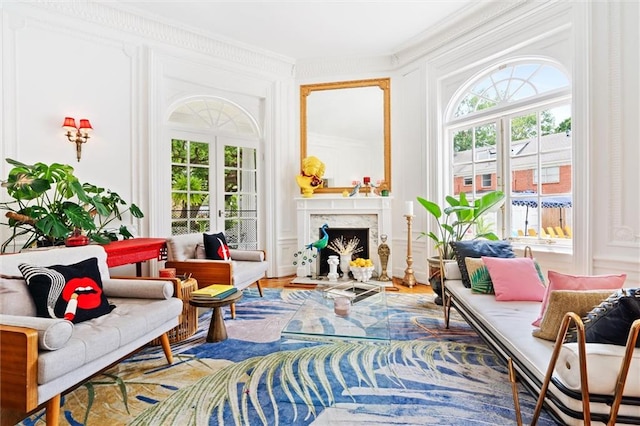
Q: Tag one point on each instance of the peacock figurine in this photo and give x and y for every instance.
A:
(322, 242)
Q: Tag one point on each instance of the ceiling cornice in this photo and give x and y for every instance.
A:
(165, 32)
(318, 68)
(162, 32)
(466, 22)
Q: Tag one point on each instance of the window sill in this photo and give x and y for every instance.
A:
(548, 245)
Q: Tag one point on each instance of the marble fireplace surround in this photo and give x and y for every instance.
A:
(373, 212)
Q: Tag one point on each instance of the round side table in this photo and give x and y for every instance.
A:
(217, 329)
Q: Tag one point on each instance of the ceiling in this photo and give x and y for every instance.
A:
(307, 29)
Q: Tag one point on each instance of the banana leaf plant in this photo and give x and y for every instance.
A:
(455, 220)
(49, 203)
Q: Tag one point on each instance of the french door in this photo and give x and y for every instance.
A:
(214, 187)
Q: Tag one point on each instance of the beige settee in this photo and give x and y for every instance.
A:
(506, 327)
(186, 254)
(42, 358)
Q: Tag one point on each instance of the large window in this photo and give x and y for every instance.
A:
(511, 130)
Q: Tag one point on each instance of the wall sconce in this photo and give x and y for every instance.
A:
(77, 134)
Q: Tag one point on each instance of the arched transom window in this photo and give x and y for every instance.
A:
(212, 113)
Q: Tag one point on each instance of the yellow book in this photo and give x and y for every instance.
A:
(213, 290)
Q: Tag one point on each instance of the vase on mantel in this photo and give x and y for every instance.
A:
(344, 265)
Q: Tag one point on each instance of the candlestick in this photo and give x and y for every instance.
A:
(409, 279)
(408, 208)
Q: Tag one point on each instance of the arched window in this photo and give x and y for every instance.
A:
(509, 128)
(218, 114)
(214, 172)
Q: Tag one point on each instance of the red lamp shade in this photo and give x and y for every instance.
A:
(69, 122)
(85, 125)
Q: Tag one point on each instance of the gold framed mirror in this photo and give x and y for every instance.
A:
(347, 125)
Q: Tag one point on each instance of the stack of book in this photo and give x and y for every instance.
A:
(214, 292)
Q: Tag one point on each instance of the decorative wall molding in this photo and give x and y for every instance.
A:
(620, 233)
(126, 21)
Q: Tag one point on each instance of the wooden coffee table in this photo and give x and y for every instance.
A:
(217, 329)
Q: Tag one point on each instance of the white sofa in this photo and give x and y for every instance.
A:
(506, 327)
(41, 358)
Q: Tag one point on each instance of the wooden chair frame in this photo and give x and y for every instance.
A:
(584, 385)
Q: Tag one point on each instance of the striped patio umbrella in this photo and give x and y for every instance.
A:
(547, 202)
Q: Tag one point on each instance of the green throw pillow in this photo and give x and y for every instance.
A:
(479, 275)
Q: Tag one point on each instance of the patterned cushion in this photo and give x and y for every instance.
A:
(216, 247)
(479, 248)
(72, 292)
(611, 320)
(558, 281)
(563, 301)
(480, 278)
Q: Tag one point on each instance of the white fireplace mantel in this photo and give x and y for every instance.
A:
(357, 211)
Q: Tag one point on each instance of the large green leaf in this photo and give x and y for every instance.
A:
(431, 207)
(124, 231)
(135, 211)
(101, 208)
(78, 216)
(488, 201)
(53, 225)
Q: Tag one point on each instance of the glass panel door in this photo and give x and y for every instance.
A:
(239, 196)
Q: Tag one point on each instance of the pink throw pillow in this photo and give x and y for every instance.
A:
(558, 281)
(514, 279)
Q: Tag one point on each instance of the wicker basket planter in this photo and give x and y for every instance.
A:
(189, 318)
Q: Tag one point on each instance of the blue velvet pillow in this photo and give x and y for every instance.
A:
(610, 321)
(477, 249)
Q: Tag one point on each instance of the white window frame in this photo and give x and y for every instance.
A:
(501, 114)
(546, 176)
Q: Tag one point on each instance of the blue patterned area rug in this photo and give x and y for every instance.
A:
(428, 375)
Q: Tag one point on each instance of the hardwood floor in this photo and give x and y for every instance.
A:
(283, 281)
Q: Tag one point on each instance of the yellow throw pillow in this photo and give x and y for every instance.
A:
(563, 301)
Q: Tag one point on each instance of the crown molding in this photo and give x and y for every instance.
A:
(459, 27)
(122, 20)
(318, 68)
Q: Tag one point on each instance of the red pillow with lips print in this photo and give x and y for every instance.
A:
(73, 292)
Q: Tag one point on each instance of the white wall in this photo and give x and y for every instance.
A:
(598, 44)
(123, 73)
(55, 70)
(126, 75)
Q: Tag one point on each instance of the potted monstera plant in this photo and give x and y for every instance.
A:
(457, 221)
(49, 204)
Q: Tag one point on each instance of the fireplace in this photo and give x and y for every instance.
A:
(347, 234)
(372, 213)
